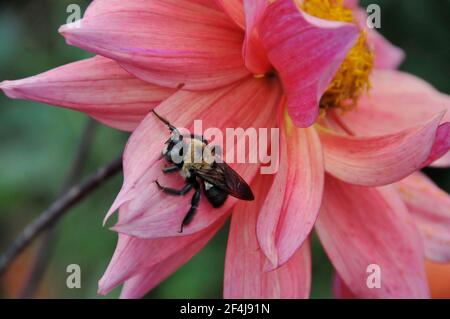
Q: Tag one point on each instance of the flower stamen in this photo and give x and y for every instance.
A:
(353, 77)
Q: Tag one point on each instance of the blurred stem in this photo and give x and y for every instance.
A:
(43, 254)
(61, 206)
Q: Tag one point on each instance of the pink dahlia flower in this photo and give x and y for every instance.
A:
(353, 175)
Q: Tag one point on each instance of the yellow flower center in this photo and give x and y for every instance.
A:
(352, 78)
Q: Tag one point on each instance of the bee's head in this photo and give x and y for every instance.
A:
(173, 145)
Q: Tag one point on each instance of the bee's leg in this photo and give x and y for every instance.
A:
(178, 192)
(194, 205)
(170, 169)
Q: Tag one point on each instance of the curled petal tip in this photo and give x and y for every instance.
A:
(66, 28)
(105, 220)
(101, 292)
(104, 287)
(62, 29)
(8, 87)
(4, 85)
(69, 29)
(304, 122)
(114, 228)
(123, 228)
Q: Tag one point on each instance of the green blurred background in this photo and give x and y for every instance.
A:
(38, 142)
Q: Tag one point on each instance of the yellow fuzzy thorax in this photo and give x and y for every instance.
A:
(352, 78)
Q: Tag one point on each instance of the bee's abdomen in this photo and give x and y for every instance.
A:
(215, 196)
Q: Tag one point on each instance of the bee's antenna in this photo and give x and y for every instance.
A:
(171, 127)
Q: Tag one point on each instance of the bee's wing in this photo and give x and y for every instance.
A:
(224, 177)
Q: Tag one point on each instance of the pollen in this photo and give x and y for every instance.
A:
(353, 77)
(259, 76)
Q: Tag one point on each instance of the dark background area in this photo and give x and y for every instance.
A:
(38, 141)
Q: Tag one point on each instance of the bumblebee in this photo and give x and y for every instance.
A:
(216, 178)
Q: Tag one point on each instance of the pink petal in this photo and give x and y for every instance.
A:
(340, 290)
(245, 275)
(290, 210)
(379, 160)
(138, 286)
(352, 4)
(172, 43)
(306, 52)
(440, 155)
(98, 7)
(151, 259)
(252, 103)
(396, 101)
(96, 86)
(400, 101)
(255, 55)
(361, 226)
(430, 207)
(443, 162)
(234, 9)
